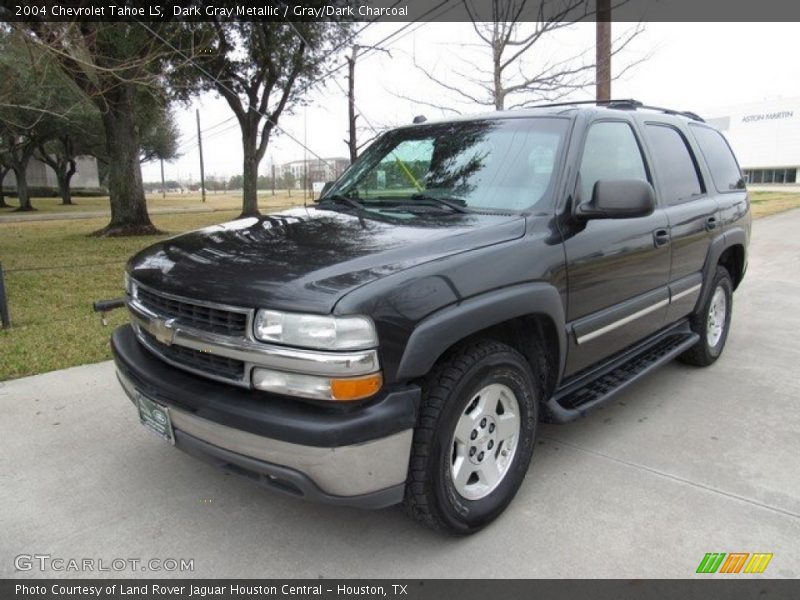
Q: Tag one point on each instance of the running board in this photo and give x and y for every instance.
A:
(589, 391)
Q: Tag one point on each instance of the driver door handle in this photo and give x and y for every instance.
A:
(661, 237)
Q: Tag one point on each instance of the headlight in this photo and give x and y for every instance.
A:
(315, 331)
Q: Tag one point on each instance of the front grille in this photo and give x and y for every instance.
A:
(219, 366)
(205, 318)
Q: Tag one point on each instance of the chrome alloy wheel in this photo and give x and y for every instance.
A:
(485, 441)
(717, 312)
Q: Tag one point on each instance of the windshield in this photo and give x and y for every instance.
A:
(505, 164)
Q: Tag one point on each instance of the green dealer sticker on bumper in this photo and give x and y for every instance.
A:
(156, 418)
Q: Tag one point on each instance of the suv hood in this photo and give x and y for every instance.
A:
(307, 259)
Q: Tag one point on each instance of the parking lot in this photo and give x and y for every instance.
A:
(686, 462)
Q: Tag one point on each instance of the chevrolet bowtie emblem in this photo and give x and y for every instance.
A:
(163, 331)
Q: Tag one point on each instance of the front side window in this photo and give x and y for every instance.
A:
(610, 152)
(674, 164)
(721, 162)
(506, 164)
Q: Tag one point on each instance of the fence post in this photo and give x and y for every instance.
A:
(4, 318)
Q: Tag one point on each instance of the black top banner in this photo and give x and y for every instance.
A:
(400, 10)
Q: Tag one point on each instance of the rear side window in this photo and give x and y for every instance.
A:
(674, 164)
(610, 152)
(724, 169)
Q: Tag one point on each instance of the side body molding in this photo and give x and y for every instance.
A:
(437, 332)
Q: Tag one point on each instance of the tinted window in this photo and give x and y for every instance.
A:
(610, 152)
(494, 163)
(673, 163)
(721, 162)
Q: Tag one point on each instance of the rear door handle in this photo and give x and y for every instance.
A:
(711, 223)
(661, 237)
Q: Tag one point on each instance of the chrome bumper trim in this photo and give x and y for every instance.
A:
(342, 471)
(252, 353)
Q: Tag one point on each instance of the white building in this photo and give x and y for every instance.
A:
(40, 175)
(326, 169)
(765, 137)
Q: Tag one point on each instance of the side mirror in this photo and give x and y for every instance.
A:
(619, 199)
(328, 185)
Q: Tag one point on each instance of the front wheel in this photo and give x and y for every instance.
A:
(473, 444)
(712, 322)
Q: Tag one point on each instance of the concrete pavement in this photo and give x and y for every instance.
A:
(686, 462)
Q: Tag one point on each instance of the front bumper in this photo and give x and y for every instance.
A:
(358, 457)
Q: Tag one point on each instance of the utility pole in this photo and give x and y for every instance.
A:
(352, 141)
(200, 146)
(603, 57)
(273, 178)
(163, 186)
(351, 103)
(305, 153)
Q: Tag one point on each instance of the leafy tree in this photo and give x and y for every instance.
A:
(29, 99)
(262, 70)
(112, 64)
(235, 182)
(61, 142)
(158, 132)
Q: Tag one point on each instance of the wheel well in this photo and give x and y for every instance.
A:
(733, 260)
(533, 336)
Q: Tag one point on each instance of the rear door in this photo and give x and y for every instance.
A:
(691, 210)
(617, 269)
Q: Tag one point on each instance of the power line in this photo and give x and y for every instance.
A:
(332, 51)
(225, 87)
(419, 22)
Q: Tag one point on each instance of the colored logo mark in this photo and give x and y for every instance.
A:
(734, 562)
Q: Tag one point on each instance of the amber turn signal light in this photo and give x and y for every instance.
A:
(356, 388)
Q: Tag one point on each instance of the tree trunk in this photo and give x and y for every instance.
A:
(250, 176)
(3, 173)
(64, 190)
(22, 187)
(128, 206)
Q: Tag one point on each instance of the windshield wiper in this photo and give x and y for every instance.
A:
(342, 199)
(455, 204)
(424, 200)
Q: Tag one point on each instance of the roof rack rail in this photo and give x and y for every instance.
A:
(627, 104)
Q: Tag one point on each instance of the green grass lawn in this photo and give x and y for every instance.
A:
(54, 272)
(214, 201)
(769, 203)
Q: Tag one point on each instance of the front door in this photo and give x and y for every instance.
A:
(617, 269)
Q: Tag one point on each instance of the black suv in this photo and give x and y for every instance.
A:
(399, 340)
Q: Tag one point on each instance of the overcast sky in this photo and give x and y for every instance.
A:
(704, 67)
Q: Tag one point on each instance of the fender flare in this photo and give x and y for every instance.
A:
(451, 324)
(732, 237)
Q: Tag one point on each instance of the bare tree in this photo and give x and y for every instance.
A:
(519, 75)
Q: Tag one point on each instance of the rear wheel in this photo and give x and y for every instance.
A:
(712, 322)
(474, 440)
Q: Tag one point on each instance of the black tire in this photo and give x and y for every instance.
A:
(431, 497)
(703, 353)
